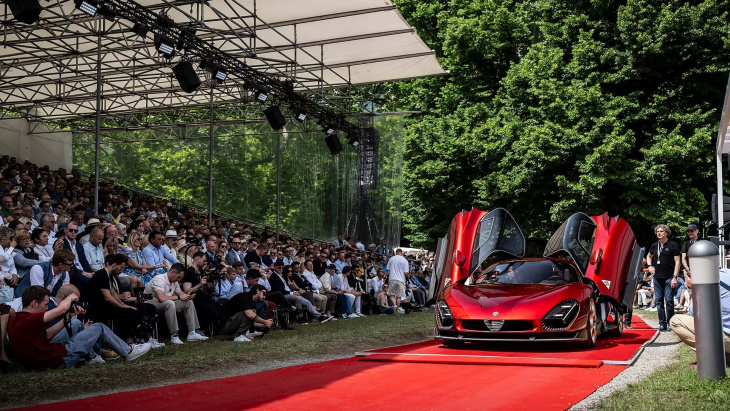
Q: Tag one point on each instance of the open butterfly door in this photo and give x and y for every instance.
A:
(438, 268)
(473, 237)
(604, 249)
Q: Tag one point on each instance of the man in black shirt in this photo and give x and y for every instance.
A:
(254, 256)
(242, 322)
(106, 303)
(663, 262)
(195, 283)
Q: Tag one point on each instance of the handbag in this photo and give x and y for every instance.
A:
(7, 293)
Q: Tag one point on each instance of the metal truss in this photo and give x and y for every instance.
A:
(48, 69)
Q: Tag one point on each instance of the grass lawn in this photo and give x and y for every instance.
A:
(673, 388)
(218, 357)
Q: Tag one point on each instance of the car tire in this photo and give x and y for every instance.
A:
(619, 325)
(591, 327)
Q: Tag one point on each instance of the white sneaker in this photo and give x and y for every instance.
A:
(95, 361)
(138, 350)
(154, 344)
(196, 337)
(324, 318)
(252, 335)
(175, 340)
(201, 334)
(242, 338)
(401, 310)
(345, 317)
(360, 314)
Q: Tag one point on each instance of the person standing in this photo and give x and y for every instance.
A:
(663, 262)
(692, 233)
(397, 269)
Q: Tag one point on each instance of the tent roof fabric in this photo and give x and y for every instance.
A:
(48, 69)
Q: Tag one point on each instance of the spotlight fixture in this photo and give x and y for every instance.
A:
(333, 143)
(140, 29)
(87, 6)
(326, 128)
(25, 11)
(277, 121)
(220, 74)
(261, 93)
(107, 12)
(164, 45)
(353, 139)
(299, 114)
(186, 76)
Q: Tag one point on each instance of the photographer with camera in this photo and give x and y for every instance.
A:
(169, 299)
(200, 280)
(241, 324)
(31, 341)
(135, 318)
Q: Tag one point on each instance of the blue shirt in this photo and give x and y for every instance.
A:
(156, 256)
(225, 289)
(339, 265)
(94, 255)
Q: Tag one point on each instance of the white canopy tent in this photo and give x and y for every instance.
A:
(723, 147)
(48, 69)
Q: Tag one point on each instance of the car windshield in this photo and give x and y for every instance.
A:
(525, 272)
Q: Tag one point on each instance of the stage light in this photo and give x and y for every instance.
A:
(164, 45)
(353, 139)
(140, 29)
(277, 121)
(326, 128)
(299, 114)
(87, 6)
(186, 76)
(25, 11)
(108, 13)
(333, 143)
(220, 74)
(261, 94)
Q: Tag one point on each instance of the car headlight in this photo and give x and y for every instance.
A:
(443, 315)
(561, 316)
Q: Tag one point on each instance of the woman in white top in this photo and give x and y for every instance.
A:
(8, 272)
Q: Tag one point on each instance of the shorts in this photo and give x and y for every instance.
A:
(397, 288)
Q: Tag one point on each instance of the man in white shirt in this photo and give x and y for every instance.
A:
(397, 269)
(360, 245)
(325, 302)
(169, 299)
(375, 284)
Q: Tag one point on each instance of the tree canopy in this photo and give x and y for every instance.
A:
(558, 106)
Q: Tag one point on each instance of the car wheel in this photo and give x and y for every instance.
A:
(619, 324)
(591, 327)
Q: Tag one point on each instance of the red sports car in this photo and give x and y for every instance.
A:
(486, 291)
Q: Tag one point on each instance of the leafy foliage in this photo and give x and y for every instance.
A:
(553, 107)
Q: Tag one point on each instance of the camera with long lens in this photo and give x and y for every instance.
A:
(142, 296)
(145, 328)
(79, 304)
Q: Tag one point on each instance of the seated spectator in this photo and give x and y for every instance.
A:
(325, 302)
(234, 254)
(417, 290)
(93, 250)
(279, 284)
(50, 274)
(227, 284)
(137, 264)
(384, 303)
(40, 239)
(169, 299)
(31, 341)
(170, 246)
(154, 254)
(683, 324)
(375, 284)
(8, 272)
(329, 286)
(195, 283)
(241, 324)
(81, 272)
(107, 303)
(354, 296)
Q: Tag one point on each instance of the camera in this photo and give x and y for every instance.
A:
(79, 304)
(141, 295)
(213, 274)
(144, 329)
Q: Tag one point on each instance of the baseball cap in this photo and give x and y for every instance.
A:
(692, 227)
(331, 267)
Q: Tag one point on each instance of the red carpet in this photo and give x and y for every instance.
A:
(618, 350)
(353, 384)
(467, 378)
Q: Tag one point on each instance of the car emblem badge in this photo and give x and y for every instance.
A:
(494, 325)
(494, 314)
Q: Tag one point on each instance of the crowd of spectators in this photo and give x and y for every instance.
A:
(79, 287)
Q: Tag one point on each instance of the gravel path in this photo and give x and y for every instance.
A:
(656, 356)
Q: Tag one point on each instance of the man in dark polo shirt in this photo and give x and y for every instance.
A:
(693, 233)
(241, 323)
(663, 262)
(31, 341)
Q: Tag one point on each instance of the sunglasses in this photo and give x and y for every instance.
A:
(72, 230)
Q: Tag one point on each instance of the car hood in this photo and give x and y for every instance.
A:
(511, 300)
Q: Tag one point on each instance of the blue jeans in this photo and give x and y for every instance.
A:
(664, 294)
(345, 307)
(82, 344)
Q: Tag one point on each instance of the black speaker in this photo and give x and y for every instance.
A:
(25, 11)
(275, 117)
(333, 143)
(186, 76)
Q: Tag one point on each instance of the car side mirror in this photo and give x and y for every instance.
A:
(596, 256)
